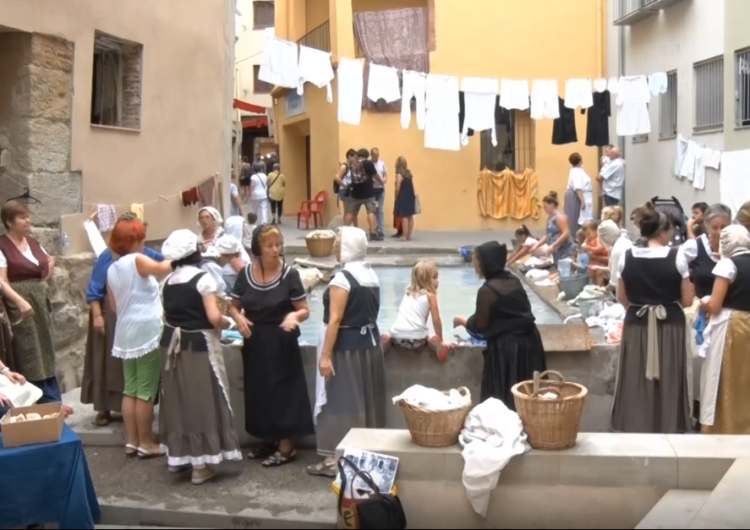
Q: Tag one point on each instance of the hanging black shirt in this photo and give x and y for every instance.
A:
(597, 126)
(564, 128)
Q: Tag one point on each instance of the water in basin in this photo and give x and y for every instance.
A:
(457, 296)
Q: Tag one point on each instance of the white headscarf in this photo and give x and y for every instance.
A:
(234, 226)
(227, 244)
(609, 233)
(735, 239)
(353, 243)
(214, 213)
(180, 244)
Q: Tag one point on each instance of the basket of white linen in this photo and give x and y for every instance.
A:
(320, 243)
(434, 418)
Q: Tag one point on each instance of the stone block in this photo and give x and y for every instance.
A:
(43, 93)
(4, 141)
(4, 160)
(727, 505)
(48, 145)
(60, 194)
(52, 53)
(49, 238)
(675, 510)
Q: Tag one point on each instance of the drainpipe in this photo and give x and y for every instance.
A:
(225, 160)
(622, 141)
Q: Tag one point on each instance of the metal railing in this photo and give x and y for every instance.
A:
(318, 38)
(709, 94)
(626, 8)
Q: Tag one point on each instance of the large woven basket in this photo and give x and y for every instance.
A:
(435, 429)
(320, 247)
(551, 424)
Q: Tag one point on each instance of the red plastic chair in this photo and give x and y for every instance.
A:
(314, 209)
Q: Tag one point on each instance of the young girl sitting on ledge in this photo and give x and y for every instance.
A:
(526, 242)
(410, 330)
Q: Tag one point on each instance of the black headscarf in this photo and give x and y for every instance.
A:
(492, 257)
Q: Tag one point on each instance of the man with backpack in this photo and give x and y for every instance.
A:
(362, 192)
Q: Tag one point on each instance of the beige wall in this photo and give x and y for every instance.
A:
(184, 94)
(248, 52)
(737, 37)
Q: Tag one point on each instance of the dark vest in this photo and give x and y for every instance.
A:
(651, 282)
(359, 328)
(738, 295)
(20, 268)
(183, 308)
(702, 271)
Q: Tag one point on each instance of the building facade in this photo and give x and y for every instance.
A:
(558, 40)
(105, 102)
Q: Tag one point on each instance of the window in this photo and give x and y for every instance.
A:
(640, 139)
(709, 94)
(515, 149)
(116, 83)
(668, 109)
(263, 14)
(742, 88)
(260, 87)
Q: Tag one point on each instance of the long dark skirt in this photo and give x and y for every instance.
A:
(510, 359)
(277, 406)
(643, 406)
(103, 379)
(572, 208)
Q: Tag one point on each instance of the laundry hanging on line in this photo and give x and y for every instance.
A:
(480, 98)
(442, 110)
(383, 84)
(315, 67)
(107, 217)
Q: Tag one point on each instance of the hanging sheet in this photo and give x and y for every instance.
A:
(506, 194)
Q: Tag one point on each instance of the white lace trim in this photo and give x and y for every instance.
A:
(212, 340)
(200, 460)
(137, 353)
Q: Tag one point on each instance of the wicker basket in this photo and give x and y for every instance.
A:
(320, 247)
(551, 424)
(435, 429)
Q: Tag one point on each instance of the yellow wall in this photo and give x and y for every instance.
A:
(317, 13)
(379, 5)
(496, 39)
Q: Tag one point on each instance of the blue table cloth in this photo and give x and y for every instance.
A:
(47, 484)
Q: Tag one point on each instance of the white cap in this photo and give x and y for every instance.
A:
(180, 244)
(227, 244)
(214, 213)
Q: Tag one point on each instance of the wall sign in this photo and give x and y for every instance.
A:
(294, 104)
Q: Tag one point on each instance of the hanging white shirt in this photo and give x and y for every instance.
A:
(442, 109)
(578, 93)
(351, 86)
(690, 160)
(279, 65)
(712, 158)
(705, 157)
(613, 85)
(480, 97)
(632, 106)
(545, 99)
(682, 145)
(514, 94)
(383, 84)
(658, 83)
(600, 85)
(315, 67)
(414, 87)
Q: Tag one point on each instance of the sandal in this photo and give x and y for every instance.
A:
(279, 460)
(263, 451)
(324, 470)
(102, 420)
(131, 450)
(143, 454)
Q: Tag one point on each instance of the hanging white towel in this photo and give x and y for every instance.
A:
(633, 98)
(514, 94)
(279, 65)
(442, 109)
(107, 217)
(705, 157)
(545, 99)
(682, 145)
(734, 183)
(712, 157)
(690, 161)
(351, 86)
(578, 93)
(658, 83)
(383, 84)
(600, 85)
(315, 67)
(414, 87)
(613, 85)
(480, 96)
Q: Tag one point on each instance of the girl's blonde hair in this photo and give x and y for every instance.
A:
(421, 278)
(613, 213)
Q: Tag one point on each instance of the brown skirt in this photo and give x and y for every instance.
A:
(103, 379)
(643, 406)
(6, 342)
(732, 411)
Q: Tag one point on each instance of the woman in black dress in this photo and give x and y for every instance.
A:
(271, 294)
(406, 199)
(503, 316)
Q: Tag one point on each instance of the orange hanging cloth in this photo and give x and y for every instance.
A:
(506, 194)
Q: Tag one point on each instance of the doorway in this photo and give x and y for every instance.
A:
(308, 169)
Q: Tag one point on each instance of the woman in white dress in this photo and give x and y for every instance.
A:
(579, 195)
(259, 192)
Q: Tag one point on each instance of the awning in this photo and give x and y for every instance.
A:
(249, 107)
(255, 123)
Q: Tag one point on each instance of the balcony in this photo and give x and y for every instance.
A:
(318, 38)
(630, 12)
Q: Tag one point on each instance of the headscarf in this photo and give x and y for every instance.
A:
(609, 233)
(214, 213)
(227, 244)
(735, 239)
(492, 257)
(234, 226)
(353, 243)
(179, 245)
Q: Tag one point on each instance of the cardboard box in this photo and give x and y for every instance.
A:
(33, 432)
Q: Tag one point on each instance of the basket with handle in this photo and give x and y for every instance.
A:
(430, 428)
(551, 424)
(320, 247)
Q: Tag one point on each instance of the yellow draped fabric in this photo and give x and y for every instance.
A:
(506, 194)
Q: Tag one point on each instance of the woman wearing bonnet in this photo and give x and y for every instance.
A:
(210, 221)
(725, 392)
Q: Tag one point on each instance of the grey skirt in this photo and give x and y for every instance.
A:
(659, 406)
(355, 398)
(103, 380)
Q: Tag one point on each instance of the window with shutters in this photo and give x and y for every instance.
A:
(742, 88)
(263, 14)
(668, 109)
(709, 94)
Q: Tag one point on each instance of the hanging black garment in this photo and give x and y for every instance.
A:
(564, 128)
(597, 126)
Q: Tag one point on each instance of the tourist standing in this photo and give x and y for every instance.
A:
(579, 195)
(276, 190)
(406, 199)
(133, 295)
(210, 221)
(342, 180)
(725, 392)
(382, 170)
(103, 378)
(350, 392)
(612, 178)
(259, 192)
(235, 206)
(274, 302)
(558, 239)
(246, 171)
(364, 176)
(195, 419)
(505, 320)
(653, 384)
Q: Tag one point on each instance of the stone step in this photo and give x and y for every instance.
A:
(135, 493)
(676, 510)
(728, 506)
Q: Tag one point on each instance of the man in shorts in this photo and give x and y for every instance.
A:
(363, 193)
(246, 171)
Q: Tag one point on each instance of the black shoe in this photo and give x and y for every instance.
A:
(376, 237)
(398, 234)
